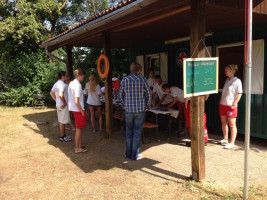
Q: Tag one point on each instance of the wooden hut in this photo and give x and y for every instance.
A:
(168, 30)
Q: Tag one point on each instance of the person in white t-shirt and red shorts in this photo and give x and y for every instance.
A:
(60, 95)
(231, 95)
(76, 105)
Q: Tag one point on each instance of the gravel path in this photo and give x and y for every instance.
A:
(172, 161)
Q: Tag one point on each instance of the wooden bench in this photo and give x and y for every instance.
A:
(148, 125)
(119, 118)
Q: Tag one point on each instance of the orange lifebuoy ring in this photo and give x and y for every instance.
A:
(105, 58)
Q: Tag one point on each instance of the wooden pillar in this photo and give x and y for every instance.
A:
(108, 89)
(197, 32)
(69, 63)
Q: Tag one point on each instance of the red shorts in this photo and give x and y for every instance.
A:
(187, 120)
(80, 120)
(180, 104)
(227, 111)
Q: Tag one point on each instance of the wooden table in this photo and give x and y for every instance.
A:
(169, 112)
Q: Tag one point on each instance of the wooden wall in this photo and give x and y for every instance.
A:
(258, 102)
(259, 6)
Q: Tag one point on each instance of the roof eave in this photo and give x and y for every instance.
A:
(125, 10)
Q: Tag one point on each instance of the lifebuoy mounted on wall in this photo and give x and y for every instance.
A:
(106, 61)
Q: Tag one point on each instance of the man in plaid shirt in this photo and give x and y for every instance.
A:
(135, 95)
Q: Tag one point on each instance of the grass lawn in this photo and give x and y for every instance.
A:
(35, 165)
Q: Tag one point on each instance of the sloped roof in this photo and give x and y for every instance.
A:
(92, 18)
(140, 22)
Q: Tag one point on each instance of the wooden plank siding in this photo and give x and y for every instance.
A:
(258, 102)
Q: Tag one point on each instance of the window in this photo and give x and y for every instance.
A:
(159, 62)
(152, 61)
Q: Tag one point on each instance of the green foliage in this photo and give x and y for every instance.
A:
(19, 96)
(120, 61)
(22, 25)
(25, 69)
(86, 58)
(26, 75)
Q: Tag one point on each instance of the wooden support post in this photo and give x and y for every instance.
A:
(108, 89)
(197, 32)
(69, 67)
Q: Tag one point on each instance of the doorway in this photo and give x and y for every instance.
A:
(230, 55)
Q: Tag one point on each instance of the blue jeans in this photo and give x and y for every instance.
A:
(134, 126)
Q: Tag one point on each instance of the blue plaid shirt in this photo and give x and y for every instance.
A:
(135, 93)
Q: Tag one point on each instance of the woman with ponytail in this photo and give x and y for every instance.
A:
(231, 95)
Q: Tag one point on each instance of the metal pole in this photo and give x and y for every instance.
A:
(248, 97)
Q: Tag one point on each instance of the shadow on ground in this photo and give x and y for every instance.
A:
(103, 154)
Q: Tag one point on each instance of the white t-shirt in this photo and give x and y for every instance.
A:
(157, 88)
(93, 98)
(151, 82)
(75, 90)
(230, 91)
(103, 89)
(177, 92)
(60, 86)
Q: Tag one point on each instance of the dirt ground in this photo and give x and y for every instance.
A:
(35, 165)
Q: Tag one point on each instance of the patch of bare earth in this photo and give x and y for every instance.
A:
(35, 165)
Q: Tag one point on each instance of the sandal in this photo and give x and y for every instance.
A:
(82, 151)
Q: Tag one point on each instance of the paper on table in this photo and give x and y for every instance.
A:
(171, 112)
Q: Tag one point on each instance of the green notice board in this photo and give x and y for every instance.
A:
(200, 76)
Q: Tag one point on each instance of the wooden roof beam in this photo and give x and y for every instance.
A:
(259, 6)
(150, 20)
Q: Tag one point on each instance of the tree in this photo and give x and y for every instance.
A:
(23, 63)
(24, 67)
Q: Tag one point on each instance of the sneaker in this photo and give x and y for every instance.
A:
(65, 139)
(229, 146)
(139, 157)
(223, 142)
(68, 136)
